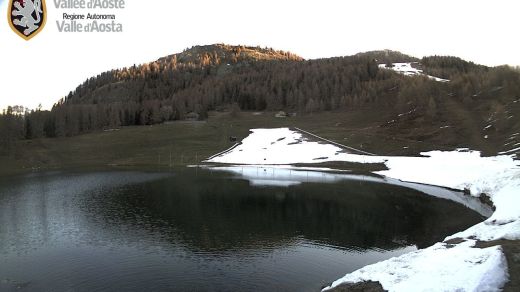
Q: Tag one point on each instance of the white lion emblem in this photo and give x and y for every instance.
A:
(27, 20)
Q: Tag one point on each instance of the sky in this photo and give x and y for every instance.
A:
(47, 67)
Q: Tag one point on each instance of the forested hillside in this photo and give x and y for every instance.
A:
(480, 103)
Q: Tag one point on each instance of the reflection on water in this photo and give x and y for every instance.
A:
(203, 230)
(262, 175)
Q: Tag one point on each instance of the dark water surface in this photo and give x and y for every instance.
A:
(201, 230)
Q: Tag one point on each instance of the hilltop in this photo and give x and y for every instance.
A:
(225, 54)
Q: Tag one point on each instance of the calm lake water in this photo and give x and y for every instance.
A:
(207, 230)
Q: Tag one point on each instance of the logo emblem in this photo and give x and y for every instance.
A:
(27, 17)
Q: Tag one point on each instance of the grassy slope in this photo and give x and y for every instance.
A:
(190, 142)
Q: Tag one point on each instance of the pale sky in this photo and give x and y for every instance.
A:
(51, 64)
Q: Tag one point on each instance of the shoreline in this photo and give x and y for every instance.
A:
(498, 177)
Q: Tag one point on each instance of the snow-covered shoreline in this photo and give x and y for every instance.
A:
(434, 267)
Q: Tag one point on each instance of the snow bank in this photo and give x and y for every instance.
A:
(438, 268)
(408, 70)
(441, 264)
(284, 146)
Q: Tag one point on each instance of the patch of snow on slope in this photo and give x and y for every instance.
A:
(438, 266)
(408, 70)
(264, 146)
(510, 151)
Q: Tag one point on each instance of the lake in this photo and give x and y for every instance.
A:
(220, 229)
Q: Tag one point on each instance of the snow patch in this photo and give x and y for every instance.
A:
(408, 70)
(262, 147)
(407, 113)
(510, 151)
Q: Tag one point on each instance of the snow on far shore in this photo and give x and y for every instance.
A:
(436, 267)
(408, 70)
(284, 146)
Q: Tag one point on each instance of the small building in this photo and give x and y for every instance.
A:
(280, 114)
